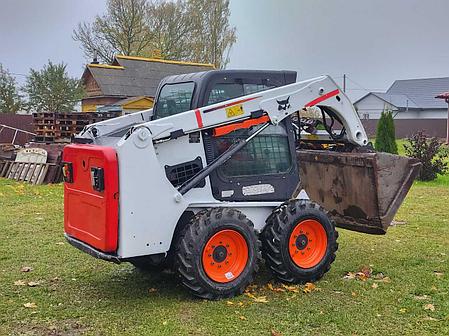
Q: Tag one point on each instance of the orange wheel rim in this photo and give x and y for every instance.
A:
(308, 243)
(225, 256)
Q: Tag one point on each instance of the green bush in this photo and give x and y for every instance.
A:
(432, 154)
(386, 135)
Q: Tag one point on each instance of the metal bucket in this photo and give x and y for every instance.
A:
(362, 191)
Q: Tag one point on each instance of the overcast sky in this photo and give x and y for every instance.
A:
(373, 41)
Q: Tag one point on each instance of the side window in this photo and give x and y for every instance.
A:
(225, 91)
(174, 99)
(266, 154)
(253, 88)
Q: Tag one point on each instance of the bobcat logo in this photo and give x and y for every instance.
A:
(283, 104)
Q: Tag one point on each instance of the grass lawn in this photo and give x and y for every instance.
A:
(74, 293)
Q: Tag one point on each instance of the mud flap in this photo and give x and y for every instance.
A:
(362, 191)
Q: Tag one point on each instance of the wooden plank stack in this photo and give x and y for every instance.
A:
(34, 173)
(61, 126)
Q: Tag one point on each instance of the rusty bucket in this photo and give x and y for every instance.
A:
(362, 191)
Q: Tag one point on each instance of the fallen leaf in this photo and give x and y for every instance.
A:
(367, 271)
(19, 283)
(438, 274)
(30, 305)
(398, 222)
(379, 276)
(402, 310)
(421, 297)
(354, 294)
(260, 299)
(33, 283)
(152, 290)
(26, 269)
(361, 276)
(349, 276)
(248, 294)
(275, 333)
(164, 323)
(374, 285)
(428, 318)
(309, 287)
(240, 304)
(60, 243)
(293, 289)
(275, 289)
(429, 306)
(242, 318)
(229, 303)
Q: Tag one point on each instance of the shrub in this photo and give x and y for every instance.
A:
(386, 135)
(432, 154)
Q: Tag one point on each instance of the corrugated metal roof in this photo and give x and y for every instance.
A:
(140, 76)
(422, 91)
(398, 100)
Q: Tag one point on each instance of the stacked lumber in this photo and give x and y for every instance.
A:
(61, 126)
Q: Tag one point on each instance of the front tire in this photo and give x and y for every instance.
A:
(299, 242)
(217, 253)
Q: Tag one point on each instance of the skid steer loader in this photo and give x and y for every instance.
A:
(211, 179)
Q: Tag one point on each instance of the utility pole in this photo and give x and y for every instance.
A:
(344, 82)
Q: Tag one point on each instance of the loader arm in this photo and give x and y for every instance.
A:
(277, 104)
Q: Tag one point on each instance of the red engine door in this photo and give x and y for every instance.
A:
(91, 195)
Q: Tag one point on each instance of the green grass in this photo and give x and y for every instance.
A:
(78, 294)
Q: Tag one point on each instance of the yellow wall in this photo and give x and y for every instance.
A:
(88, 108)
(137, 105)
(141, 104)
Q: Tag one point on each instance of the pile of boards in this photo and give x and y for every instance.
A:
(38, 164)
(61, 126)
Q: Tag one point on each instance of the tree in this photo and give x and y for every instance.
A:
(10, 99)
(51, 89)
(122, 30)
(213, 36)
(172, 28)
(385, 134)
(186, 30)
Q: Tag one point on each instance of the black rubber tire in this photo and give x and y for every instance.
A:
(188, 257)
(275, 239)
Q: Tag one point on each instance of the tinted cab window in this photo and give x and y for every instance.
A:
(174, 99)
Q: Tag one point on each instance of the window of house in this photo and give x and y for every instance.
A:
(365, 115)
(174, 99)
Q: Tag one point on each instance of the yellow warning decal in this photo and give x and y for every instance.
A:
(234, 111)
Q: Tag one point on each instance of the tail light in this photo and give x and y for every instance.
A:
(67, 172)
(97, 178)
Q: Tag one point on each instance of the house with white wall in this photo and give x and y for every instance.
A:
(413, 104)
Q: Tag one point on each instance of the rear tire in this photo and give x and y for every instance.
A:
(299, 242)
(217, 253)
